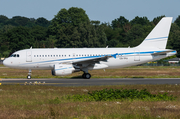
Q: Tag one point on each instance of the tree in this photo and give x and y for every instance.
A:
(119, 22)
(72, 28)
(140, 20)
(177, 21)
(174, 39)
(18, 21)
(42, 22)
(64, 18)
(3, 19)
(19, 38)
(39, 33)
(135, 36)
(77, 16)
(6, 28)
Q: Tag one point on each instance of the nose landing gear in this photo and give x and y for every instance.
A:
(29, 74)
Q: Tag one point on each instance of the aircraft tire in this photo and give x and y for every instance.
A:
(28, 77)
(83, 76)
(87, 75)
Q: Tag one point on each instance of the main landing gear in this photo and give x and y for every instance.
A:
(29, 74)
(86, 75)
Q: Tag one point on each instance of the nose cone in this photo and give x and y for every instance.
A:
(6, 63)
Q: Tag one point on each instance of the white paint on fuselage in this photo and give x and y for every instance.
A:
(46, 58)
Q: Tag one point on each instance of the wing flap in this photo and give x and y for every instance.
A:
(93, 58)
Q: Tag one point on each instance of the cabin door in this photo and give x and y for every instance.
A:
(136, 55)
(29, 56)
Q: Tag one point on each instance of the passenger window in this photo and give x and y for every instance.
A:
(45, 55)
(59, 55)
(56, 55)
(34, 55)
(37, 55)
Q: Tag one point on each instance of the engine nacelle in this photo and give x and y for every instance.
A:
(62, 69)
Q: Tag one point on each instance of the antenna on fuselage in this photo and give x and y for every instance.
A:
(106, 46)
(31, 47)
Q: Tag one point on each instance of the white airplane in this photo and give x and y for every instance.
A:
(65, 61)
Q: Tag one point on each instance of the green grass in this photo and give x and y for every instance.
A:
(119, 95)
(33, 101)
(130, 72)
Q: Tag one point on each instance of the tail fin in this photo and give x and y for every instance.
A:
(158, 37)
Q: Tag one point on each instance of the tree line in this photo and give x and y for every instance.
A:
(72, 28)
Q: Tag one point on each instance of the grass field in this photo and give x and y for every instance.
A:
(34, 101)
(131, 72)
(29, 101)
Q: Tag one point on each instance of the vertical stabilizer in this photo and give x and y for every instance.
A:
(158, 37)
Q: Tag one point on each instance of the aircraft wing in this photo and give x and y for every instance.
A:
(92, 59)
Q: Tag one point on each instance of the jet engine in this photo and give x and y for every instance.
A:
(62, 69)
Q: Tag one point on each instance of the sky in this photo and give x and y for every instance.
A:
(102, 10)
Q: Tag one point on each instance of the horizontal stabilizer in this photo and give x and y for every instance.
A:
(163, 52)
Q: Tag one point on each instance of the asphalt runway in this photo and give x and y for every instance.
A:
(90, 82)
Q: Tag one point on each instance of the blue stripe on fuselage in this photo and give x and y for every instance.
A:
(90, 57)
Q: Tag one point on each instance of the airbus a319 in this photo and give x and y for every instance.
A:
(65, 61)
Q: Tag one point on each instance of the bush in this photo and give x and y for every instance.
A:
(120, 94)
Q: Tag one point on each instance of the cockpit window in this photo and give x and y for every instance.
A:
(14, 55)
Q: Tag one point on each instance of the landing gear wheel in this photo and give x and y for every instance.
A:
(83, 76)
(28, 77)
(87, 76)
(29, 74)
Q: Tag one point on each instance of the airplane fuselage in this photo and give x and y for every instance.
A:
(46, 58)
